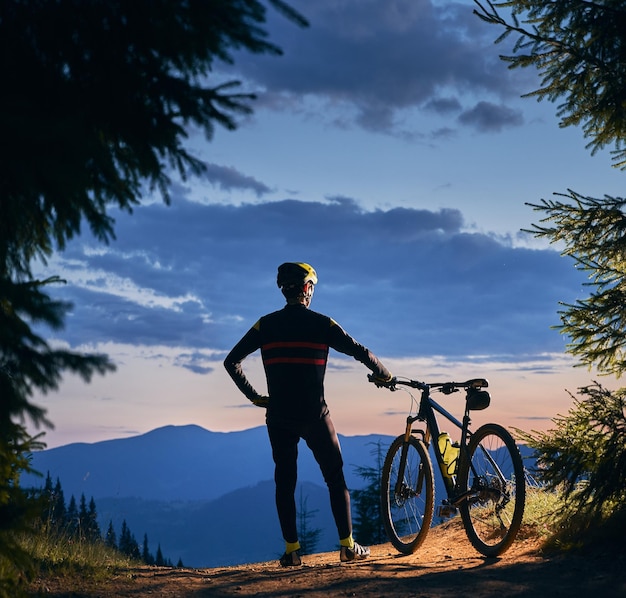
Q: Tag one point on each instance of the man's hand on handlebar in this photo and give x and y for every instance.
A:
(389, 382)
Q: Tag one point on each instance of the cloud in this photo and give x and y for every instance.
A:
(488, 118)
(230, 179)
(443, 105)
(403, 281)
(377, 60)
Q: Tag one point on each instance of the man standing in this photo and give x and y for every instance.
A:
(294, 343)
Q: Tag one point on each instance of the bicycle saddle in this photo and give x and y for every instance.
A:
(477, 383)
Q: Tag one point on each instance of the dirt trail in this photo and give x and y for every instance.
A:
(446, 565)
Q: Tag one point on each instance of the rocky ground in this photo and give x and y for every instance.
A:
(446, 565)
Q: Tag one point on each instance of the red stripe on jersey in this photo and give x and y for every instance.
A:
(304, 360)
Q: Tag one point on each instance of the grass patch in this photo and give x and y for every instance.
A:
(53, 550)
(55, 556)
(541, 512)
(548, 515)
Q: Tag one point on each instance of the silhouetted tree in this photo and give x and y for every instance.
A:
(47, 504)
(101, 96)
(110, 538)
(92, 532)
(128, 544)
(159, 561)
(309, 537)
(59, 514)
(17, 512)
(147, 558)
(584, 457)
(53, 513)
(83, 518)
(593, 233)
(367, 520)
(579, 49)
(72, 519)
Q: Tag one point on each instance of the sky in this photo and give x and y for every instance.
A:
(390, 148)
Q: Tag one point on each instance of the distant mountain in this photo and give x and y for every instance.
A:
(183, 463)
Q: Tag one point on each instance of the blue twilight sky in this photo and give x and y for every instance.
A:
(390, 148)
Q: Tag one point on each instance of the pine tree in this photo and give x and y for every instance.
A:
(593, 233)
(578, 48)
(92, 532)
(159, 561)
(47, 486)
(128, 544)
(72, 519)
(115, 102)
(147, 558)
(135, 552)
(53, 505)
(110, 539)
(17, 512)
(584, 457)
(367, 519)
(125, 545)
(59, 514)
(83, 518)
(47, 505)
(309, 537)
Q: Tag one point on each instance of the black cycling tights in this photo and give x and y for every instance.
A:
(321, 438)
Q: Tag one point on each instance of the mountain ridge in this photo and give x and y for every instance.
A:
(181, 463)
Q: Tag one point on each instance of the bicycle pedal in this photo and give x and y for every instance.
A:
(445, 511)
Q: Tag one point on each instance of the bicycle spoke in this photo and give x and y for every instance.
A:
(494, 477)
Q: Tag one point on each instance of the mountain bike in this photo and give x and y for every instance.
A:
(483, 473)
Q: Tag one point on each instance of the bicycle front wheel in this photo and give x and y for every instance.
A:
(493, 477)
(407, 494)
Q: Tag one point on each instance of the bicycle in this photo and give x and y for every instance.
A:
(483, 473)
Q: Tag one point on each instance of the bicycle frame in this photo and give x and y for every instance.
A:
(433, 430)
(428, 408)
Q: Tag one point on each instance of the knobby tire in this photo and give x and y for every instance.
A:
(494, 477)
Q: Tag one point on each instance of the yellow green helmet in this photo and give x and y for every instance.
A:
(295, 274)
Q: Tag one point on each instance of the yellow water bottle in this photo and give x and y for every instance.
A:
(449, 454)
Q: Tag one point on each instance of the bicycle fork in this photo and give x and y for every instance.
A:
(401, 488)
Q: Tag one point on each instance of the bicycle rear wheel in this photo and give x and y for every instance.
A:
(407, 494)
(493, 476)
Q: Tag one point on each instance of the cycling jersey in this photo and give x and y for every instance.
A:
(294, 343)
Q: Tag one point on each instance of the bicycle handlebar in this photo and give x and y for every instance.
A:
(445, 387)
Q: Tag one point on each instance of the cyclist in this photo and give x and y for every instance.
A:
(294, 343)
